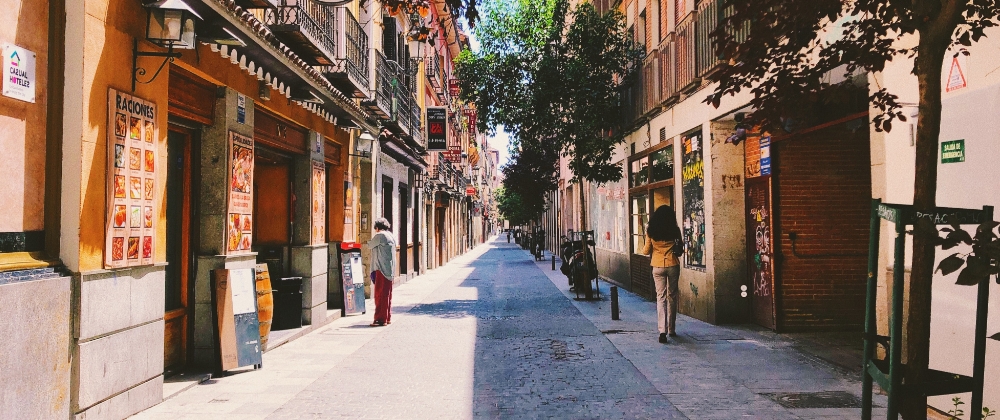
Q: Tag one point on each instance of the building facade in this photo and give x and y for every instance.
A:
(154, 142)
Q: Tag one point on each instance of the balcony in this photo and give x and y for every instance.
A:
(350, 70)
(306, 27)
(668, 72)
(382, 105)
(643, 96)
(401, 99)
(416, 126)
(708, 61)
(435, 72)
(687, 79)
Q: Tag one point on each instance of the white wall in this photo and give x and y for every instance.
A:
(973, 114)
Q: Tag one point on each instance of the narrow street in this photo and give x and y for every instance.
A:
(494, 334)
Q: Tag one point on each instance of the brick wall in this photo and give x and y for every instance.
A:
(822, 193)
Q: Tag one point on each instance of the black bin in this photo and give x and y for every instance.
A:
(287, 303)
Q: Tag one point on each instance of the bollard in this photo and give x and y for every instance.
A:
(553, 262)
(614, 303)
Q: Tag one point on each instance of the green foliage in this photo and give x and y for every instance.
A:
(551, 77)
(514, 208)
(957, 412)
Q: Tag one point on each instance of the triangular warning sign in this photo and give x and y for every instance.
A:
(956, 77)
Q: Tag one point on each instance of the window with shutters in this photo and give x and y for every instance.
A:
(389, 44)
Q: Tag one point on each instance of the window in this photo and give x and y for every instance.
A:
(640, 172)
(662, 164)
(640, 216)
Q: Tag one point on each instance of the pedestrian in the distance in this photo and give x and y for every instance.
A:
(383, 249)
(664, 243)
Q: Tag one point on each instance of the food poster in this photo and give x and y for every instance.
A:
(239, 216)
(132, 193)
(318, 203)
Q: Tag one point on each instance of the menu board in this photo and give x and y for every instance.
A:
(318, 203)
(132, 193)
(236, 318)
(239, 216)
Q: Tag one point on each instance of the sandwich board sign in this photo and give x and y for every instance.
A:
(237, 326)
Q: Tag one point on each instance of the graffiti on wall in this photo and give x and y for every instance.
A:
(693, 187)
(760, 250)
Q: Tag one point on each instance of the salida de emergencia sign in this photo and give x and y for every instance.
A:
(953, 151)
(18, 73)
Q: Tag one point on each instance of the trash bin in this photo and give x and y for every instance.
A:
(287, 303)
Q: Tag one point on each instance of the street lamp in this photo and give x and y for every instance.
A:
(169, 24)
(363, 145)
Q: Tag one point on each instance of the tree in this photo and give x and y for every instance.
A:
(553, 77)
(773, 49)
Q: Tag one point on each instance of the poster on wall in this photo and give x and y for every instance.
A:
(239, 216)
(132, 193)
(693, 187)
(318, 203)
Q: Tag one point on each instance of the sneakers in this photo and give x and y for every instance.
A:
(673, 334)
(663, 338)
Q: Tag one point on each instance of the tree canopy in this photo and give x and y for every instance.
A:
(552, 77)
(784, 52)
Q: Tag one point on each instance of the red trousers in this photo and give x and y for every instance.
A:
(383, 297)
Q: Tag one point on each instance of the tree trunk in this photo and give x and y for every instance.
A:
(916, 337)
(583, 207)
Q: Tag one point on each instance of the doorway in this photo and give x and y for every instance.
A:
(416, 233)
(272, 202)
(181, 186)
(403, 228)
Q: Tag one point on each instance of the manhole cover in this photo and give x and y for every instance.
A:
(828, 399)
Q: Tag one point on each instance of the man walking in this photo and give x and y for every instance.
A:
(383, 249)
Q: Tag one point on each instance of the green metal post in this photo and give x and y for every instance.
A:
(979, 352)
(870, 328)
(896, 332)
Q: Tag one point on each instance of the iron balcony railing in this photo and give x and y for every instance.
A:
(350, 71)
(383, 85)
(686, 54)
(707, 21)
(306, 27)
(400, 99)
(668, 71)
(434, 71)
(416, 126)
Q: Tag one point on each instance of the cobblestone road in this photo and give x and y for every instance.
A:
(495, 335)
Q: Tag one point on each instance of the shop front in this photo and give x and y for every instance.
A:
(651, 185)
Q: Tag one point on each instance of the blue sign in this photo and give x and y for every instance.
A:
(765, 155)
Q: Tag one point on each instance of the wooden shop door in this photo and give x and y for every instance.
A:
(182, 179)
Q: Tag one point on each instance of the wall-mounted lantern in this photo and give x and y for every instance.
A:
(363, 145)
(169, 24)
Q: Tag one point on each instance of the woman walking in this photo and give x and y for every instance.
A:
(663, 242)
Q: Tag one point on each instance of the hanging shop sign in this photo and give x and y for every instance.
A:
(953, 151)
(132, 193)
(318, 198)
(454, 154)
(18, 73)
(239, 217)
(453, 88)
(470, 190)
(437, 132)
(470, 114)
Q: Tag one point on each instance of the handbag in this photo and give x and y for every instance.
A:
(678, 248)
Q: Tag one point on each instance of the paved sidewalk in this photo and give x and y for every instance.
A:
(494, 334)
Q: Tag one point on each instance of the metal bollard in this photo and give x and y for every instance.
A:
(553, 262)
(614, 303)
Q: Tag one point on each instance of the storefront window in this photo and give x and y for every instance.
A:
(640, 215)
(662, 164)
(640, 172)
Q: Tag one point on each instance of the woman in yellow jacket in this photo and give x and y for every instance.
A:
(661, 233)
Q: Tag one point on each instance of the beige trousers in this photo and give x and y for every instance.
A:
(665, 279)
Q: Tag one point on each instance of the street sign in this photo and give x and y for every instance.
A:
(765, 155)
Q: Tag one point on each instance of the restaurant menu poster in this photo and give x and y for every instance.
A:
(132, 193)
(239, 216)
(318, 203)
